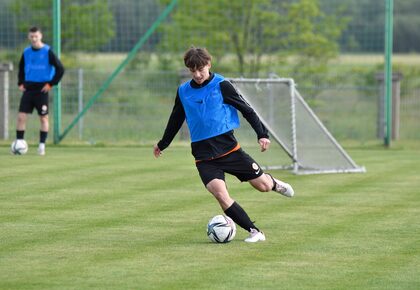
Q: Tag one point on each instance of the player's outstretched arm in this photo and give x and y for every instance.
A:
(175, 121)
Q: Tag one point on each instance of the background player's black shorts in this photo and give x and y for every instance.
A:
(34, 99)
(237, 163)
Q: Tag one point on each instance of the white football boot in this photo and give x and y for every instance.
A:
(283, 188)
(255, 236)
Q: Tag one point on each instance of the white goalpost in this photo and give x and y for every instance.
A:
(295, 127)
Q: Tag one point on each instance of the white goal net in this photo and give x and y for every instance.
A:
(292, 123)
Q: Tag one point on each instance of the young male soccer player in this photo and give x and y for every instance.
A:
(39, 70)
(209, 103)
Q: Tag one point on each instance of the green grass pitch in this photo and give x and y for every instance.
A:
(117, 218)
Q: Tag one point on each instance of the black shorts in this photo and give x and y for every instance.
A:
(34, 99)
(237, 163)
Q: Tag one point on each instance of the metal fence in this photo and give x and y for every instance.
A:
(333, 51)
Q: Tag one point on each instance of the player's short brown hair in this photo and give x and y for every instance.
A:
(35, 29)
(196, 57)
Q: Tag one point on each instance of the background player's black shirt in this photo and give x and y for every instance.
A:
(215, 146)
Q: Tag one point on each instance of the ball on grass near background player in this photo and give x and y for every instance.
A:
(221, 229)
(19, 147)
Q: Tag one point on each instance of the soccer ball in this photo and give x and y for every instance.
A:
(19, 147)
(221, 229)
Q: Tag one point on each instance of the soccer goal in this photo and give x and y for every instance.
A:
(292, 123)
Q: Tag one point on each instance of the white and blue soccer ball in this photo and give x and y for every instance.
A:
(221, 229)
(19, 147)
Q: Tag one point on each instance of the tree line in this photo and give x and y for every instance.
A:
(240, 26)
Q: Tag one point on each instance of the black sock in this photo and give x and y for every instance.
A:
(20, 134)
(240, 217)
(42, 136)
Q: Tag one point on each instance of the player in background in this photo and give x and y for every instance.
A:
(209, 104)
(39, 71)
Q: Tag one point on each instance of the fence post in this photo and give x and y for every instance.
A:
(80, 100)
(396, 92)
(57, 50)
(5, 68)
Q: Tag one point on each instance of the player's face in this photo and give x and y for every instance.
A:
(200, 75)
(35, 38)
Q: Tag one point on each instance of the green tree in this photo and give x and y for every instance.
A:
(86, 24)
(312, 37)
(252, 29)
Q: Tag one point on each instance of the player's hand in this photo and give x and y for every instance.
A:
(264, 144)
(156, 151)
(46, 88)
(22, 88)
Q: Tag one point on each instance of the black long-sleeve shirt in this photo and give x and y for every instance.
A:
(54, 61)
(219, 145)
